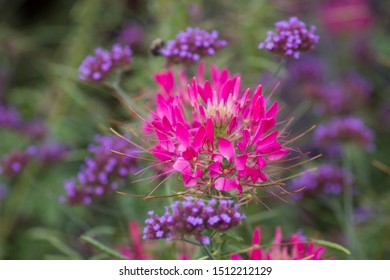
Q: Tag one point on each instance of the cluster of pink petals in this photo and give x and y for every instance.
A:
(293, 248)
(214, 133)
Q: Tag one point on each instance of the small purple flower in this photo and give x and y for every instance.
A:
(344, 129)
(341, 97)
(50, 153)
(291, 38)
(14, 163)
(98, 67)
(191, 45)
(180, 219)
(326, 179)
(309, 69)
(35, 129)
(132, 34)
(100, 172)
(9, 117)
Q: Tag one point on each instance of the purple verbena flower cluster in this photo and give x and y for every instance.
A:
(326, 179)
(341, 97)
(9, 117)
(191, 218)
(49, 153)
(14, 163)
(104, 62)
(309, 69)
(132, 34)
(100, 173)
(344, 129)
(291, 38)
(191, 45)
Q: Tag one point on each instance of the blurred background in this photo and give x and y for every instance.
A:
(48, 118)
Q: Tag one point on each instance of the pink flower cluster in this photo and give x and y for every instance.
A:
(293, 248)
(137, 250)
(217, 136)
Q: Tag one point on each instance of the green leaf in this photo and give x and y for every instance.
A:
(333, 246)
(102, 248)
(55, 240)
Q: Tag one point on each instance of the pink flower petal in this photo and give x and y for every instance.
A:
(165, 80)
(267, 141)
(215, 167)
(224, 184)
(183, 135)
(198, 141)
(182, 166)
(272, 111)
(226, 148)
(210, 131)
(240, 162)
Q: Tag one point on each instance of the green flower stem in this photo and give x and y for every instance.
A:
(208, 252)
(205, 247)
(349, 229)
(102, 248)
(123, 96)
(302, 109)
(275, 74)
(15, 204)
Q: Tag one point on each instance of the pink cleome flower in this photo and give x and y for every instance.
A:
(215, 135)
(293, 248)
(138, 248)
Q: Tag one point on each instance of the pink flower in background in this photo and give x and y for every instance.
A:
(293, 248)
(346, 16)
(213, 133)
(136, 250)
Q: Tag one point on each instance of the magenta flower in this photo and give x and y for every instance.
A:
(293, 248)
(137, 249)
(215, 135)
(291, 38)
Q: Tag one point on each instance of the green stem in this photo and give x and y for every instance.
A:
(275, 74)
(302, 109)
(205, 248)
(126, 99)
(208, 252)
(191, 242)
(102, 248)
(348, 203)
